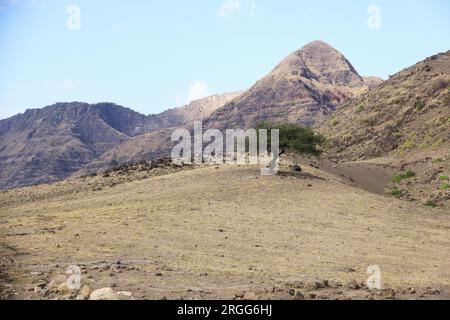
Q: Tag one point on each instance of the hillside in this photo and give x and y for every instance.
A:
(406, 115)
(405, 124)
(203, 233)
(50, 144)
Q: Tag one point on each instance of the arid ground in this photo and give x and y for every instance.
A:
(222, 232)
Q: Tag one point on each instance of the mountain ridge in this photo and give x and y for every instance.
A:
(49, 144)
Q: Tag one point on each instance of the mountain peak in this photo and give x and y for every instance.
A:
(325, 64)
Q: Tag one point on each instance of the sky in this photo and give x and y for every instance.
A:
(153, 55)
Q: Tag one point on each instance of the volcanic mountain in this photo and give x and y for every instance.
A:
(305, 88)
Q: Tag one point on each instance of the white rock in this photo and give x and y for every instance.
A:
(104, 294)
(125, 295)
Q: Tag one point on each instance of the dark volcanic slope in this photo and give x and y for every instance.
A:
(50, 144)
(44, 145)
(305, 87)
(407, 114)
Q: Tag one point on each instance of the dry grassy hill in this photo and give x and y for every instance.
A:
(405, 115)
(403, 123)
(220, 232)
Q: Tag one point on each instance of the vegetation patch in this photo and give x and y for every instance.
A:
(403, 176)
(431, 204)
(419, 105)
(396, 192)
(444, 178)
(445, 186)
(334, 122)
(408, 144)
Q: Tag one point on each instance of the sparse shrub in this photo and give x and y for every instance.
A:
(403, 176)
(419, 105)
(334, 122)
(445, 186)
(438, 143)
(408, 144)
(431, 204)
(360, 109)
(396, 192)
(444, 178)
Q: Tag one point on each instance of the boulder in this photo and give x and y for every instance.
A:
(104, 294)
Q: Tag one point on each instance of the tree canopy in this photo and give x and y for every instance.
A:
(296, 139)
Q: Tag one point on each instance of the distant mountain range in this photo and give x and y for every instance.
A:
(315, 86)
(50, 144)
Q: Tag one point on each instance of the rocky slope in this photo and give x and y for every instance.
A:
(406, 115)
(50, 144)
(306, 87)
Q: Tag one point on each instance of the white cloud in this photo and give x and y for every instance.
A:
(197, 90)
(229, 8)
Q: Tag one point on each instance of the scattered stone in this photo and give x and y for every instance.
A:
(333, 284)
(104, 294)
(85, 292)
(250, 295)
(388, 293)
(284, 296)
(296, 284)
(315, 284)
(352, 285)
(125, 295)
(433, 291)
(41, 290)
(63, 289)
(298, 295)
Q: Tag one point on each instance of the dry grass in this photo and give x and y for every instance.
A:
(228, 222)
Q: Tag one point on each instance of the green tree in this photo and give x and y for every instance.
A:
(296, 139)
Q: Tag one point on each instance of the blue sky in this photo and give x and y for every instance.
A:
(153, 55)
